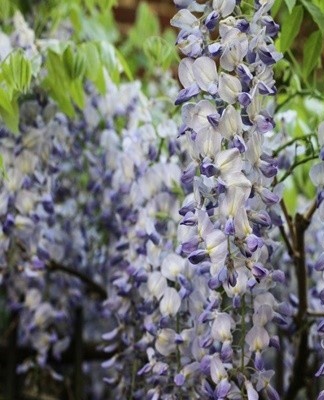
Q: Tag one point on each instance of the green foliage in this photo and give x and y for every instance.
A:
(315, 12)
(16, 71)
(159, 52)
(290, 28)
(147, 47)
(312, 52)
(276, 8)
(71, 64)
(302, 22)
(5, 9)
(142, 30)
(290, 5)
(15, 79)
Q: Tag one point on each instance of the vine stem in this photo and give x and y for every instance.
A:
(290, 228)
(92, 286)
(178, 351)
(310, 212)
(243, 325)
(303, 138)
(132, 388)
(299, 377)
(295, 165)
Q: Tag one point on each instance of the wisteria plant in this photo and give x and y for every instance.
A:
(178, 229)
(235, 311)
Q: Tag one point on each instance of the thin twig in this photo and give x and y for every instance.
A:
(315, 314)
(286, 240)
(290, 227)
(310, 212)
(298, 376)
(92, 286)
(91, 352)
(295, 165)
(78, 353)
(292, 141)
(11, 355)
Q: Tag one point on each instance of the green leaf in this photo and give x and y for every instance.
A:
(5, 9)
(275, 8)
(290, 28)
(11, 119)
(91, 54)
(100, 81)
(55, 66)
(17, 71)
(312, 52)
(290, 5)
(106, 5)
(124, 65)
(5, 101)
(316, 13)
(159, 52)
(290, 197)
(77, 92)
(68, 60)
(319, 4)
(140, 32)
(2, 169)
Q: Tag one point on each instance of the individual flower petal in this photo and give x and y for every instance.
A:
(185, 72)
(170, 303)
(232, 55)
(229, 88)
(205, 73)
(165, 341)
(319, 265)
(184, 20)
(217, 369)
(252, 394)
(257, 338)
(317, 174)
(157, 284)
(224, 7)
(172, 266)
(221, 328)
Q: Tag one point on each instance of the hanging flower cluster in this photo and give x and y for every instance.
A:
(230, 230)
(226, 230)
(169, 239)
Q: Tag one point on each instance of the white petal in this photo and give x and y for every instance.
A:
(170, 302)
(229, 88)
(317, 174)
(157, 284)
(230, 122)
(205, 73)
(229, 161)
(257, 338)
(172, 266)
(221, 328)
(165, 342)
(217, 370)
(185, 72)
(231, 56)
(225, 7)
(321, 133)
(185, 20)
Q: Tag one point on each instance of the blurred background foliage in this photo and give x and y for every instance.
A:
(83, 40)
(77, 41)
(300, 84)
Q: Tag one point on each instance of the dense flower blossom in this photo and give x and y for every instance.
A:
(227, 79)
(178, 230)
(76, 195)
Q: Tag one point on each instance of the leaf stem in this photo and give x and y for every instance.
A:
(295, 165)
